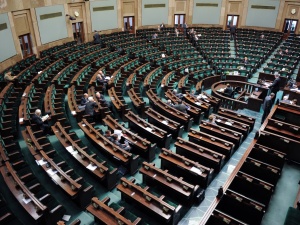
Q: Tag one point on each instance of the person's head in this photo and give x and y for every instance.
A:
(228, 85)
(193, 92)
(100, 72)
(108, 133)
(8, 73)
(246, 58)
(276, 75)
(285, 97)
(38, 112)
(211, 117)
(115, 137)
(175, 91)
(286, 50)
(294, 101)
(98, 95)
(272, 95)
(91, 99)
(85, 95)
(179, 101)
(169, 101)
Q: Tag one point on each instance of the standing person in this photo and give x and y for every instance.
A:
(267, 105)
(275, 86)
(96, 38)
(185, 27)
(162, 26)
(232, 31)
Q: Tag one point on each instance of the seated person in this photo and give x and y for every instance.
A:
(108, 135)
(8, 77)
(101, 80)
(154, 36)
(41, 121)
(294, 102)
(84, 99)
(228, 90)
(90, 107)
(179, 95)
(169, 103)
(181, 107)
(286, 99)
(286, 52)
(211, 119)
(246, 61)
(115, 140)
(100, 98)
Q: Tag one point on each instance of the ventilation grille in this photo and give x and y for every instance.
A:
(154, 6)
(3, 26)
(50, 15)
(263, 7)
(207, 4)
(105, 8)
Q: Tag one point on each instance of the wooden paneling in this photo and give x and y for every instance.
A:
(234, 7)
(180, 6)
(21, 24)
(128, 8)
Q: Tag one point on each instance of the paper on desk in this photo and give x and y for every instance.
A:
(107, 78)
(218, 120)
(91, 167)
(51, 172)
(198, 103)
(70, 149)
(42, 162)
(24, 94)
(73, 112)
(229, 124)
(149, 129)
(26, 201)
(196, 170)
(165, 122)
(66, 217)
(21, 120)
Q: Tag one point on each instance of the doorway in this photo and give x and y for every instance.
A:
(26, 46)
(179, 20)
(78, 32)
(232, 20)
(289, 27)
(128, 23)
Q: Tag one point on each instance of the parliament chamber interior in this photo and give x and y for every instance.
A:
(149, 112)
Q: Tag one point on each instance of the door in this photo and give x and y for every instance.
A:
(129, 23)
(26, 46)
(78, 32)
(232, 20)
(289, 27)
(179, 20)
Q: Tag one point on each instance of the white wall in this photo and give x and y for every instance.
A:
(104, 20)
(52, 29)
(7, 46)
(151, 16)
(207, 14)
(262, 17)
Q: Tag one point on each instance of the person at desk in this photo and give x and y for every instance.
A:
(90, 108)
(169, 103)
(211, 119)
(286, 99)
(246, 61)
(41, 121)
(155, 36)
(84, 99)
(115, 140)
(267, 105)
(100, 98)
(286, 52)
(228, 90)
(181, 107)
(275, 86)
(8, 77)
(101, 80)
(294, 102)
(108, 135)
(178, 95)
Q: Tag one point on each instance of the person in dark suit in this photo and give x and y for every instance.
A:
(100, 98)
(275, 86)
(41, 121)
(178, 95)
(90, 107)
(185, 27)
(84, 99)
(108, 135)
(96, 38)
(162, 26)
(267, 105)
(228, 90)
(169, 103)
(232, 32)
(246, 61)
(126, 146)
(181, 107)
(101, 80)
